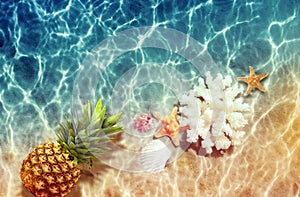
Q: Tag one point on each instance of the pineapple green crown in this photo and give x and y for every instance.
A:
(82, 138)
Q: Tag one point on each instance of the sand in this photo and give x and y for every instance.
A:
(266, 164)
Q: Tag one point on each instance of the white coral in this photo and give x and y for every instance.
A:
(236, 120)
(222, 142)
(215, 113)
(207, 144)
(237, 137)
(192, 136)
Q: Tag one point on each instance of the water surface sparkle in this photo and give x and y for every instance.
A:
(43, 45)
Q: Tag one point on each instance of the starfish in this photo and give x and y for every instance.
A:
(170, 126)
(253, 81)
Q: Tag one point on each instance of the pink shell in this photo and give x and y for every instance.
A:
(143, 122)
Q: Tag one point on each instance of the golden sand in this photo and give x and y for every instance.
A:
(266, 164)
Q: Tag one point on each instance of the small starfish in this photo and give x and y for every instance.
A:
(253, 81)
(170, 126)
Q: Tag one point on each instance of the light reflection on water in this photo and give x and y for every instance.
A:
(43, 44)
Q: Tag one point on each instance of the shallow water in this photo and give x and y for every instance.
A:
(146, 53)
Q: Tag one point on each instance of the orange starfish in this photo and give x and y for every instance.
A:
(170, 126)
(253, 81)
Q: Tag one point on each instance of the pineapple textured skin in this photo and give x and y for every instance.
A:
(49, 172)
(50, 169)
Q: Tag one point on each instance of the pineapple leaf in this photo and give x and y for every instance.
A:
(68, 123)
(82, 133)
(94, 124)
(98, 107)
(61, 132)
(82, 150)
(71, 135)
(97, 140)
(72, 145)
(73, 153)
(89, 110)
(112, 120)
(84, 145)
(112, 130)
(98, 115)
(85, 117)
(100, 149)
(84, 137)
(97, 133)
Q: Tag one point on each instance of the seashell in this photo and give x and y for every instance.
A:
(143, 122)
(154, 156)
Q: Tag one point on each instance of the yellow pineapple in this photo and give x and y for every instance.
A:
(50, 170)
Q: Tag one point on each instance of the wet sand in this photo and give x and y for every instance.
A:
(266, 164)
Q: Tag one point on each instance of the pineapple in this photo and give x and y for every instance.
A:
(51, 170)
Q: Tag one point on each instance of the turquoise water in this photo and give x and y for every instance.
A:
(139, 56)
(43, 44)
(49, 50)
